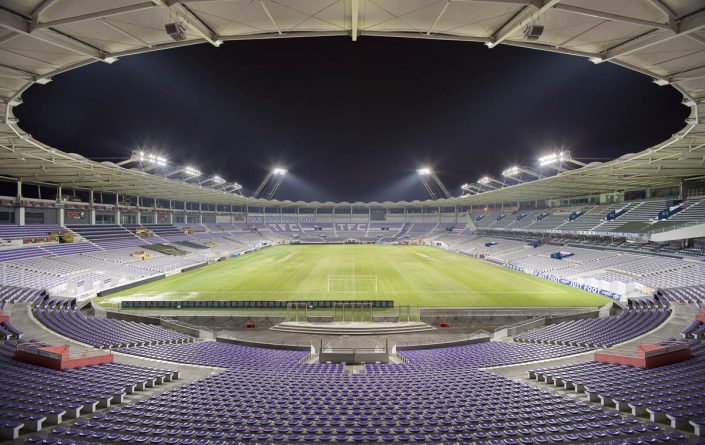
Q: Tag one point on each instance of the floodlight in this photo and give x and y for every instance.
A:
(552, 158)
(596, 60)
(279, 171)
(485, 180)
(217, 43)
(192, 171)
(424, 171)
(661, 82)
(511, 171)
(151, 158)
(43, 80)
(217, 179)
(110, 60)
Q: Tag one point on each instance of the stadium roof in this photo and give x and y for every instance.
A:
(663, 39)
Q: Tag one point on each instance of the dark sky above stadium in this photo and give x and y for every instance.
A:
(351, 121)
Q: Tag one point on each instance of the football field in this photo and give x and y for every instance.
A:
(410, 275)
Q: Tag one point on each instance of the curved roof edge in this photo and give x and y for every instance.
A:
(664, 40)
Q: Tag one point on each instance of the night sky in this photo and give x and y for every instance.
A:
(351, 121)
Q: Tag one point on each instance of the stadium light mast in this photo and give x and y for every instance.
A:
(432, 183)
(215, 180)
(556, 161)
(514, 172)
(187, 172)
(234, 188)
(487, 181)
(271, 183)
(147, 161)
(470, 189)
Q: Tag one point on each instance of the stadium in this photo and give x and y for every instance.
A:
(145, 301)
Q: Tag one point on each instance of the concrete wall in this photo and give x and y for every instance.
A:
(441, 343)
(269, 345)
(695, 231)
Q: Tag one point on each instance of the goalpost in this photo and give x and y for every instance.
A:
(352, 283)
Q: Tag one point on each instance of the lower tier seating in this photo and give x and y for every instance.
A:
(65, 319)
(638, 318)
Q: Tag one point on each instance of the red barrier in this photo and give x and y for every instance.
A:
(647, 356)
(701, 316)
(58, 357)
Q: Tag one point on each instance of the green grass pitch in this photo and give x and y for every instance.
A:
(410, 275)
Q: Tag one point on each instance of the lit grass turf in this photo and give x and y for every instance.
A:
(410, 275)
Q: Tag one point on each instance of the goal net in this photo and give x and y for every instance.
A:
(352, 283)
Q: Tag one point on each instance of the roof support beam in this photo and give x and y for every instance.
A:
(16, 73)
(684, 27)
(18, 24)
(528, 14)
(438, 17)
(665, 10)
(683, 77)
(354, 19)
(611, 17)
(94, 15)
(39, 10)
(271, 18)
(697, 38)
(9, 37)
(193, 21)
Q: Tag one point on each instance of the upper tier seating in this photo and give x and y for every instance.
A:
(163, 229)
(640, 317)
(102, 232)
(10, 232)
(103, 332)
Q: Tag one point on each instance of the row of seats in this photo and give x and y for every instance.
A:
(65, 319)
(639, 317)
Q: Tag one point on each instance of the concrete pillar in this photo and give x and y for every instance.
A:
(19, 216)
(60, 207)
(19, 210)
(200, 213)
(117, 209)
(91, 211)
